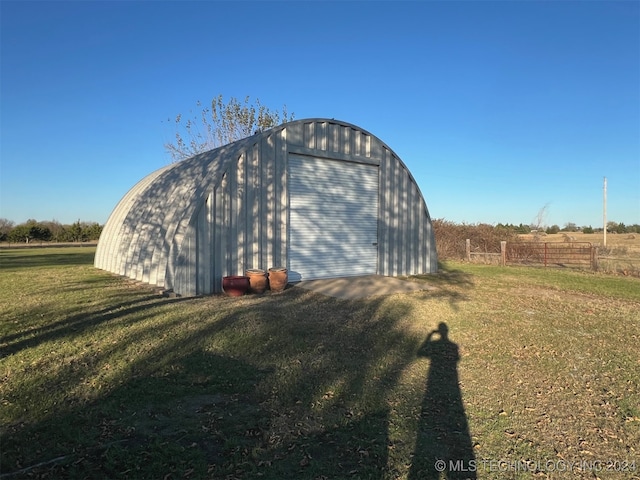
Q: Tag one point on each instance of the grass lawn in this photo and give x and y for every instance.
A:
(533, 373)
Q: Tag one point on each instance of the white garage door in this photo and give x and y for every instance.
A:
(333, 222)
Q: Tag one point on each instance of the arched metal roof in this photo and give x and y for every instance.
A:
(147, 226)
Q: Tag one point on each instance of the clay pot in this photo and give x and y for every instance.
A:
(278, 278)
(235, 285)
(258, 281)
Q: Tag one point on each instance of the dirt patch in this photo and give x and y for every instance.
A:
(352, 288)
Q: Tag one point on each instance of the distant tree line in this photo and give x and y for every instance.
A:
(48, 231)
(612, 227)
(622, 228)
(448, 234)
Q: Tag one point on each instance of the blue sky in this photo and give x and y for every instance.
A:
(497, 108)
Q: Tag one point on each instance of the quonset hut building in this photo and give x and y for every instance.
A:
(322, 198)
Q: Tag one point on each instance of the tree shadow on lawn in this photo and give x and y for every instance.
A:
(25, 258)
(452, 284)
(73, 325)
(149, 427)
(289, 385)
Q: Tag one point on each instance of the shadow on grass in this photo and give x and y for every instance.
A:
(73, 325)
(40, 257)
(292, 385)
(280, 400)
(149, 427)
(443, 445)
(452, 284)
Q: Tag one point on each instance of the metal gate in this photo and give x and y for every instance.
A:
(577, 254)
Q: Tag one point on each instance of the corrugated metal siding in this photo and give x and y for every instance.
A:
(109, 246)
(224, 211)
(407, 245)
(244, 221)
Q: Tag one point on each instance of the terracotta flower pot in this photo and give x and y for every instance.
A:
(258, 281)
(278, 278)
(235, 285)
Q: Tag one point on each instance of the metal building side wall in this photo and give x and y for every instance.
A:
(254, 204)
(406, 242)
(155, 216)
(110, 246)
(242, 225)
(197, 179)
(147, 223)
(185, 269)
(146, 231)
(220, 236)
(193, 271)
(204, 254)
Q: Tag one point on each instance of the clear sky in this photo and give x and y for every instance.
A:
(497, 108)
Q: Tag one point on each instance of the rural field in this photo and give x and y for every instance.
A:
(621, 242)
(621, 255)
(532, 373)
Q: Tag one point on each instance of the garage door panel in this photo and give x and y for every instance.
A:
(333, 225)
(344, 226)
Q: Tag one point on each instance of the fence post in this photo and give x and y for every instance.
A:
(594, 258)
(503, 252)
(545, 254)
(468, 249)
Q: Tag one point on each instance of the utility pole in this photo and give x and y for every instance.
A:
(604, 212)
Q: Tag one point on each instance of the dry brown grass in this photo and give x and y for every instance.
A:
(628, 241)
(620, 256)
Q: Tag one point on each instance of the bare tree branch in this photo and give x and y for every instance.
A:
(220, 124)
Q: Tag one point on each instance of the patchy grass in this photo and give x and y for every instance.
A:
(102, 378)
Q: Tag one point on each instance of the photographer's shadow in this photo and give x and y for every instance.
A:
(443, 444)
